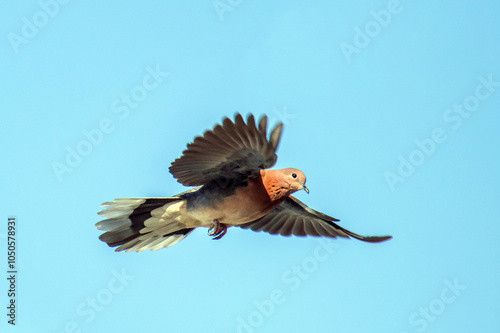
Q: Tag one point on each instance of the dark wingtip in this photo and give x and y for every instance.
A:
(375, 239)
(238, 116)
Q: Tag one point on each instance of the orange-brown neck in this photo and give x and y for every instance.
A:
(275, 187)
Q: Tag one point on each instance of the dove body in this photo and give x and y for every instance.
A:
(236, 205)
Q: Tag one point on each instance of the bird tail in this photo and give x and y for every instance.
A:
(138, 224)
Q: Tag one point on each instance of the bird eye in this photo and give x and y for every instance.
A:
(294, 175)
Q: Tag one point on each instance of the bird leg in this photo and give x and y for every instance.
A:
(218, 230)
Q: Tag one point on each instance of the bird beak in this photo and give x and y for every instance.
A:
(305, 188)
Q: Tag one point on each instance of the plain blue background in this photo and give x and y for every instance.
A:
(349, 120)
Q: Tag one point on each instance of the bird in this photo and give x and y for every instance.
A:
(231, 185)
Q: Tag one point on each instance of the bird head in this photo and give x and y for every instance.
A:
(295, 179)
(281, 183)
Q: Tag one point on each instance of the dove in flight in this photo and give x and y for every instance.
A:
(234, 187)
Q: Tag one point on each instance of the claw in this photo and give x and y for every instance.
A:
(221, 234)
(218, 230)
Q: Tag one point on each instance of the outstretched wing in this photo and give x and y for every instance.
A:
(293, 217)
(231, 151)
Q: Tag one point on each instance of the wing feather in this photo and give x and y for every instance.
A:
(293, 217)
(235, 150)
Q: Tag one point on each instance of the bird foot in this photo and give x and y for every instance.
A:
(218, 230)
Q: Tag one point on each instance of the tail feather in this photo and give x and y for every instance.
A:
(154, 242)
(138, 224)
(111, 224)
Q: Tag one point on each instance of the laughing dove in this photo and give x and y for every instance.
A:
(229, 166)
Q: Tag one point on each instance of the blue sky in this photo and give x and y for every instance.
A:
(390, 108)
